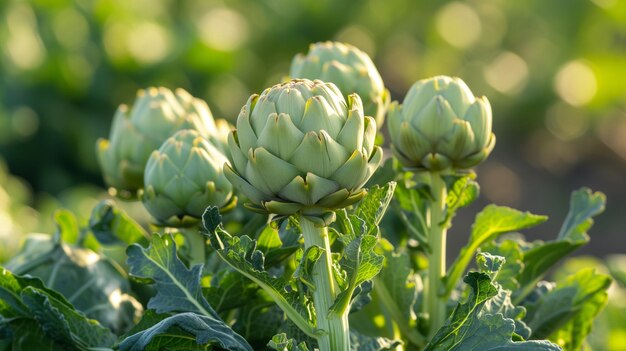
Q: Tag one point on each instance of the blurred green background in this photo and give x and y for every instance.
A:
(554, 71)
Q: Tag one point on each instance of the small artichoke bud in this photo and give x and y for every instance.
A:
(350, 69)
(183, 177)
(300, 147)
(138, 130)
(441, 125)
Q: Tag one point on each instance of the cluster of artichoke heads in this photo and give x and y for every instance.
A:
(168, 150)
(306, 146)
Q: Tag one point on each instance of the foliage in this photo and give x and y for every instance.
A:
(345, 258)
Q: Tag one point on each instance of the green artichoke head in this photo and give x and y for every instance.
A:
(183, 177)
(138, 130)
(301, 148)
(350, 69)
(441, 125)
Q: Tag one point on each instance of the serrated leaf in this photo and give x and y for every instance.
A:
(211, 219)
(584, 205)
(280, 342)
(360, 263)
(38, 316)
(178, 288)
(205, 329)
(565, 313)
(63, 323)
(90, 282)
(471, 329)
(111, 225)
(373, 206)
(511, 251)
(502, 304)
(490, 264)
(11, 287)
(242, 255)
(490, 222)
(463, 191)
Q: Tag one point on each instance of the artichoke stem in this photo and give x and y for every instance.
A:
(436, 302)
(336, 331)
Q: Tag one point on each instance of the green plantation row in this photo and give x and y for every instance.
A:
(293, 231)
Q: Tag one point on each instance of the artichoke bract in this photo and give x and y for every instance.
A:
(183, 177)
(300, 147)
(350, 69)
(138, 130)
(441, 125)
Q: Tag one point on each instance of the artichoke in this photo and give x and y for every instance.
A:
(441, 125)
(299, 147)
(183, 178)
(136, 132)
(350, 69)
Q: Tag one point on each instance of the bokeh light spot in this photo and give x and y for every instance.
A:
(24, 46)
(148, 42)
(223, 29)
(459, 24)
(71, 29)
(566, 122)
(507, 73)
(114, 34)
(576, 83)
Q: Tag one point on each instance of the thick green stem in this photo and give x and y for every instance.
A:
(436, 301)
(336, 336)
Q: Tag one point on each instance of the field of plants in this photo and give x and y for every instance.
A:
(282, 176)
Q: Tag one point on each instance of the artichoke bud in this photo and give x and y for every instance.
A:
(301, 148)
(441, 125)
(138, 130)
(183, 177)
(350, 69)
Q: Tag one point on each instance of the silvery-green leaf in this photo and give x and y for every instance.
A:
(471, 328)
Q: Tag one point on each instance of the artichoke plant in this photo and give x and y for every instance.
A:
(183, 178)
(441, 125)
(300, 147)
(138, 130)
(350, 69)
